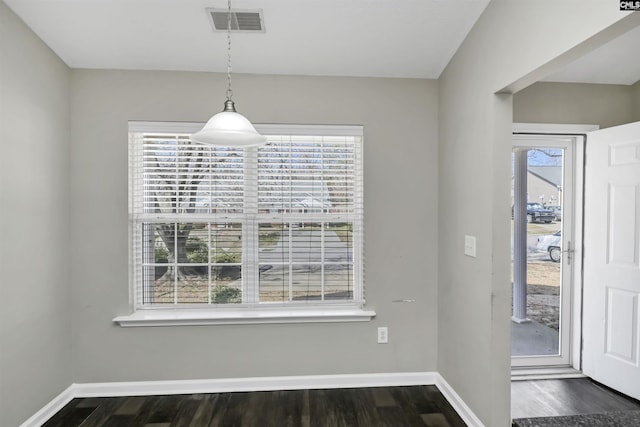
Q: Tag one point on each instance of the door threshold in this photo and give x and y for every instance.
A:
(545, 373)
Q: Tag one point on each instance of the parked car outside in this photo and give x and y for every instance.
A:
(538, 213)
(551, 243)
(557, 210)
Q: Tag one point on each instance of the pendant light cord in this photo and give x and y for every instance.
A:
(229, 90)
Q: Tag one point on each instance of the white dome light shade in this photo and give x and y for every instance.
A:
(229, 128)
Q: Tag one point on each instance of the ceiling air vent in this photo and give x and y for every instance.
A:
(241, 20)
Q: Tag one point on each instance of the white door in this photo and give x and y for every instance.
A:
(611, 318)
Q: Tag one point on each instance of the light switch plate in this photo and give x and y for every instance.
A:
(470, 246)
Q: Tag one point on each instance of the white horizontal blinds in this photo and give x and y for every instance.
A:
(308, 203)
(308, 174)
(188, 206)
(184, 178)
(281, 223)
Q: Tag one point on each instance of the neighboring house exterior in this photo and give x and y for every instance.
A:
(544, 185)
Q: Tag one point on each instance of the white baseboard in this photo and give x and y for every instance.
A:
(58, 402)
(226, 385)
(467, 415)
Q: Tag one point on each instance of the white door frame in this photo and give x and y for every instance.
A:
(577, 134)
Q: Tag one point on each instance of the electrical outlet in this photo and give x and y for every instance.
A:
(383, 335)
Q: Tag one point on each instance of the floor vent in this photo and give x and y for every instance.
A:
(241, 20)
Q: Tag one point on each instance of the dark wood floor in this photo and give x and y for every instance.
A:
(383, 406)
(575, 396)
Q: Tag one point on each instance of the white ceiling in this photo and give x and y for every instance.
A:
(376, 38)
(618, 62)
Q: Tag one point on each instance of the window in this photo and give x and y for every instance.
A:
(268, 227)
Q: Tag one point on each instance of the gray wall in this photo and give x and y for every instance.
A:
(635, 90)
(509, 47)
(575, 103)
(401, 250)
(35, 327)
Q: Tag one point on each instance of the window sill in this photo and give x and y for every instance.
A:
(198, 317)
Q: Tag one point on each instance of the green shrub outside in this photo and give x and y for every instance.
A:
(226, 295)
(197, 250)
(161, 254)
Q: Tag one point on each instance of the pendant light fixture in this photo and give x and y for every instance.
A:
(229, 128)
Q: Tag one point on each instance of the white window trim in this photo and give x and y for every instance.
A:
(196, 317)
(238, 315)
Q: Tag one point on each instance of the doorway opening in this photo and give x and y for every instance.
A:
(604, 297)
(546, 214)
